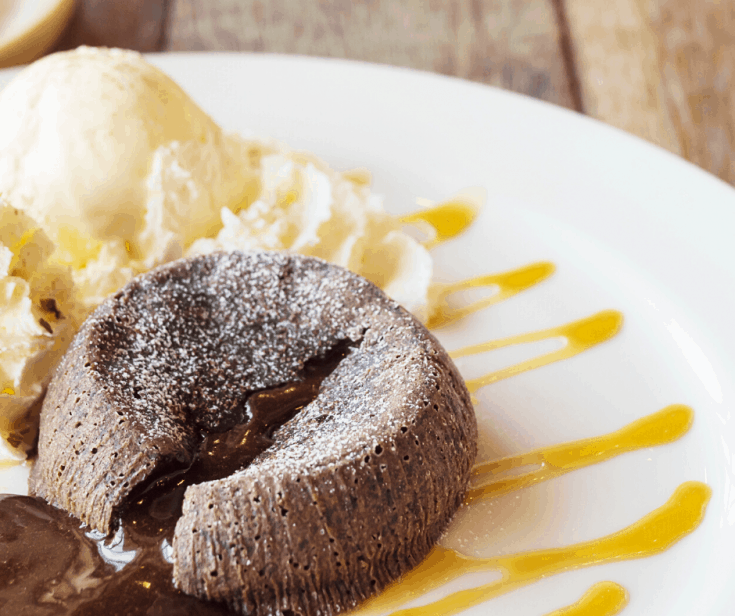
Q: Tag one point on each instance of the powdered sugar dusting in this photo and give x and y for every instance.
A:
(185, 344)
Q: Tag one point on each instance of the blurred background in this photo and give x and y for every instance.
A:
(660, 69)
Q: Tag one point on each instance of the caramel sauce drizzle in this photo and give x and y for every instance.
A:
(447, 220)
(508, 284)
(602, 599)
(650, 535)
(580, 336)
(664, 426)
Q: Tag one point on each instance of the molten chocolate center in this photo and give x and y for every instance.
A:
(49, 565)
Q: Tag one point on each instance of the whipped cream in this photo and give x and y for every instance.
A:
(114, 170)
(37, 316)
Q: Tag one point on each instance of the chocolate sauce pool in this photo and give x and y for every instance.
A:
(51, 565)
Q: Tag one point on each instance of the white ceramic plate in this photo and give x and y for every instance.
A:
(628, 226)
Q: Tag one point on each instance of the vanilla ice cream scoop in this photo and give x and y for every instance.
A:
(110, 169)
(77, 134)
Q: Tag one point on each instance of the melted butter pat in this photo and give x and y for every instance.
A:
(650, 535)
(447, 219)
(10, 463)
(665, 426)
(580, 336)
(603, 599)
(507, 283)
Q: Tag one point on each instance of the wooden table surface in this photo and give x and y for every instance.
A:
(661, 69)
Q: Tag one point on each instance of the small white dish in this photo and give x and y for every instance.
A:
(28, 28)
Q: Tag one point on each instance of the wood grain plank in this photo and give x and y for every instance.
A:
(661, 69)
(618, 68)
(133, 24)
(696, 50)
(513, 44)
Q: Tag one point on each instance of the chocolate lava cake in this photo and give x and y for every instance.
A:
(349, 493)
